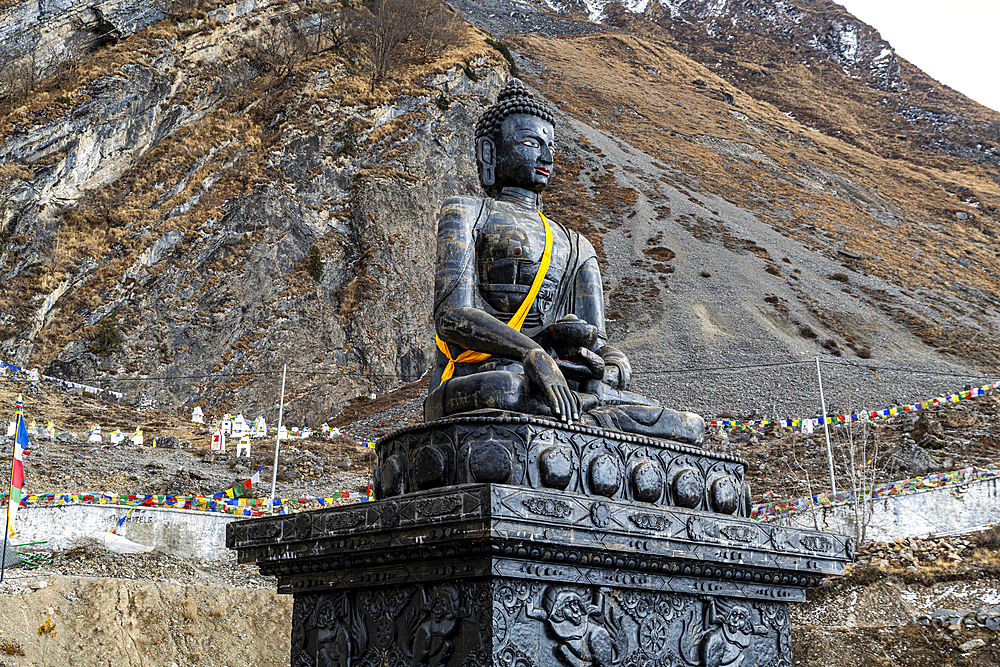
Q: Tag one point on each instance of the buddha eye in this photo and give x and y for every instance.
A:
(529, 142)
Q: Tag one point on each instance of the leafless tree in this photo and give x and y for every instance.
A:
(386, 28)
(859, 448)
(437, 28)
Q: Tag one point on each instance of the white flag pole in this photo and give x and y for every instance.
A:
(277, 440)
(826, 427)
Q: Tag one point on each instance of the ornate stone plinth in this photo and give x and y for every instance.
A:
(510, 448)
(477, 575)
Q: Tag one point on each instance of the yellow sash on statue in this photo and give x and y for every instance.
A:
(516, 322)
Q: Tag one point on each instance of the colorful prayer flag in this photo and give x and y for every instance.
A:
(241, 489)
(17, 467)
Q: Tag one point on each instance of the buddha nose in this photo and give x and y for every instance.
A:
(546, 156)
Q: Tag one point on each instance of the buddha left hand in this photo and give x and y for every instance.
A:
(618, 370)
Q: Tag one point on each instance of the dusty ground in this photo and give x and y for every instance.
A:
(889, 612)
(112, 622)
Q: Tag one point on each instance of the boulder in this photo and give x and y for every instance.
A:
(169, 442)
(910, 458)
(926, 426)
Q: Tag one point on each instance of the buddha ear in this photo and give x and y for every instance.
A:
(486, 154)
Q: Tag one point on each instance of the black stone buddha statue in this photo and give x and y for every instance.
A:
(518, 302)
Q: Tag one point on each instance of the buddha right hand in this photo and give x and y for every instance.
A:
(544, 373)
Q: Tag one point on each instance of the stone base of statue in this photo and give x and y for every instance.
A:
(514, 541)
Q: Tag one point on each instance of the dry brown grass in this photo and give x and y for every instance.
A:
(663, 115)
(8, 647)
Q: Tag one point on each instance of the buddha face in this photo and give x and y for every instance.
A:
(524, 157)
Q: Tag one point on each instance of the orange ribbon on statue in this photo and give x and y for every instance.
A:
(516, 322)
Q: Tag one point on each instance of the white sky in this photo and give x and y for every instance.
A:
(955, 41)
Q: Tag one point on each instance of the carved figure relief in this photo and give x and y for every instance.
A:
(332, 632)
(525, 623)
(440, 611)
(729, 634)
(579, 626)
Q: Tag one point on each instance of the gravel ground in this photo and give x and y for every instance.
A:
(89, 560)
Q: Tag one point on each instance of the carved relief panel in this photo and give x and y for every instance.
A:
(518, 623)
(578, 626)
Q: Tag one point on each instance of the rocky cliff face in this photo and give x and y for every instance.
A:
(158, 210)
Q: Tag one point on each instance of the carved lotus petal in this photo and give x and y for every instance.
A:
(605, 478)
(490, 462)
(555, 468)
(688, 487)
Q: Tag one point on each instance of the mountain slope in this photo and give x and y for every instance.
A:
(804, 232)
(180, 206)
(164, 202)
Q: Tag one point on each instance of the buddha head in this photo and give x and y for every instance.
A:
(514, 142)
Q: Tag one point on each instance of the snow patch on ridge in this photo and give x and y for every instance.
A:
(716, 7)
(595, 9)
(848, 39)
(674, 6)
(637, 6)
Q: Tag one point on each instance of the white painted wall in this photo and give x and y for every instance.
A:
(183, 533)
(941, 510)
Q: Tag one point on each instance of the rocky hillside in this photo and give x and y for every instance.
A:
(205, 191)
(782, 185)
(220, 188)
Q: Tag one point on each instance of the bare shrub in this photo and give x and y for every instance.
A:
(865, 353)
(337, 24)
(182, 10)
(279, 48)
(438, 28)
(840, 277)
(8, 647)
(16, 77)
(387, 25)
